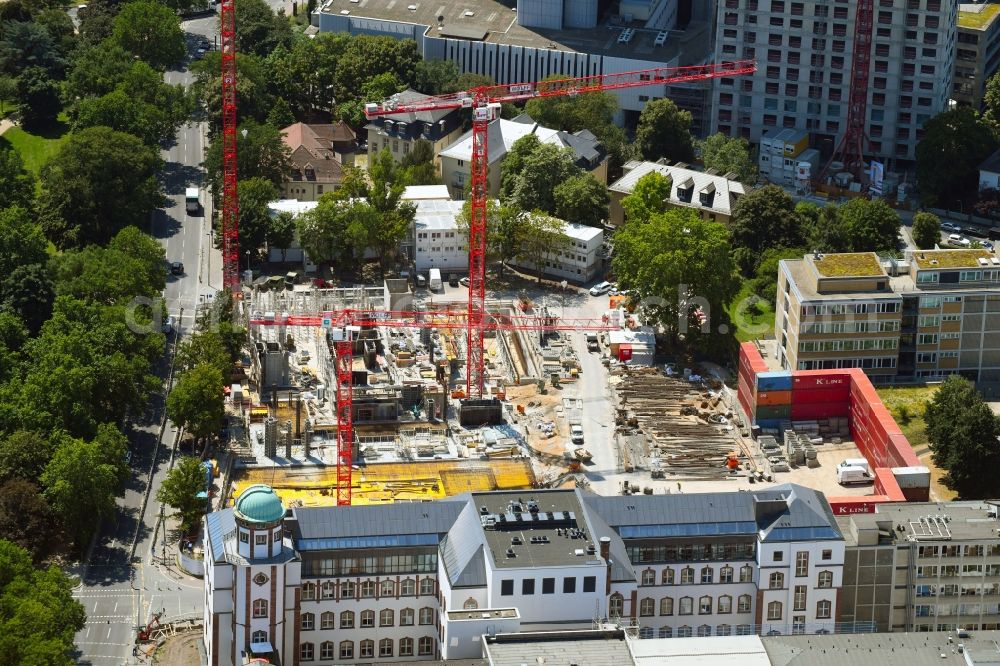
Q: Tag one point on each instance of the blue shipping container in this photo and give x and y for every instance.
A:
(774, 381)
(773, 424)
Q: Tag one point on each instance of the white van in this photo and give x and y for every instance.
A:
(434, 279)
(856, 462)
(851, 474)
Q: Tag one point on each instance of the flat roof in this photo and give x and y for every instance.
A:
(932, 521)
(930, 259)
(701, 651)
(848, 264)
(496, 22)
(581, 231)
(437, 215)
(974, 16)
(483, 614)
(425, 192)
(882, 649)
(805, 284)
(565, 648)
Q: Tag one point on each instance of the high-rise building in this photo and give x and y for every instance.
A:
(977, 57)
(804, 51)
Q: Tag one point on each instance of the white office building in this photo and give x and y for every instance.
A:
(438, 241)
(426, 580)
(576, 258)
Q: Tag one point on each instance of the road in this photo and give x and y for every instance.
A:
(120, 590)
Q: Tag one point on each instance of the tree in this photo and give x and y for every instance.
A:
(17, 184)
(505, 227)
(649, 197)
(871, 225)
(581, 199)
(180, 490)
(197, 403)
(24, 454)
(259, 154)
(252, 88)
(38, 98)
(418, 167)
(470, 80)
(375, 89)
(60, 27)
(281, 232)
(258, 30)
(331, 232)
(97, 21)
(99, 182)
(38, 615)
(28, 521)
(97, 70)
(926, 230)
(679, 264)
(542, 235)
(763, 218)
(991, 98)
(955, 143)
(822, 228)
(25, 45)
(725, 154)
(547, 166)
(963, 432)
(513, 163)
(151, 31)
(133, 265)
(664, 131)
(21, 240)
(81, 482)
(765, 281)
(255, 218)
(281, 114)
(8, 91)
(204, 348)
(28, 292)
(364, 57)
(434, 77)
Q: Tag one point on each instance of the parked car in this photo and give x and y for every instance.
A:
(600, 288)
(950, 226)
(974, 231)
(988, 245)
(168, 325)
(464, 282)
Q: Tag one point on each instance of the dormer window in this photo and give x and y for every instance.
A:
(706, 195)
(685, 190)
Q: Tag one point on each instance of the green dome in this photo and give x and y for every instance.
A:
(259, 504)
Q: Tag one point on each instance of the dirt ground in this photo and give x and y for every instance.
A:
(179, 650)
(545, 407)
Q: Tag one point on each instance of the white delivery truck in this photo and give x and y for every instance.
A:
(434, 279)
(853, 470)
(191, 200)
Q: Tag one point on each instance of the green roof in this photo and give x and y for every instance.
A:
(259, 504)
(929, 259)
(849, 264)
(980, 19)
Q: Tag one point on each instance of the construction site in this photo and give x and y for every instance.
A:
(416, 437)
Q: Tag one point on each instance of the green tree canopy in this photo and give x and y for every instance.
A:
(871, 225)
(17, 184)
(435, 77)
(28, 292)
(259, 154)
(963, 432)
(28, 521)
(180, 490)
(132, 265)
(765, 281)
(541, 235)
(24, 454)
(648, 197)
(823, 229)
(97, 70)
(258, 30)
(99, 182)
(22, 242)
(581, 199)
(664, 131)
(152, 31)
(37, 95)
(255, 218)
(365, 57)
(418, 165)
(729, 154)
(926, 230)
(375, 89)
(505, 229)
(197, 403)
(252, 88)
(28, 44)
(332, 232)
(955, 143)
(541, 170)
(38, 615)
(762, 219)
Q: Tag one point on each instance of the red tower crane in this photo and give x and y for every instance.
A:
(485, 103)
(230, 199)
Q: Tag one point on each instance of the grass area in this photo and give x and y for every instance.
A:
(37, 147)
(980, 19)
(752, 316)
(849, 264)
(950, 258)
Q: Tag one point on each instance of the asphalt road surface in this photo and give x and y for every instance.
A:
(120, 591)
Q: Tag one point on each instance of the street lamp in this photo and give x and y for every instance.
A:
(248, 259)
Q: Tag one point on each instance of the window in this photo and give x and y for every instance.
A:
(667, 577)
(825, 579)
(258, 637)
(406, 617)
(726, 574)
(667, 606)
(802, 563)
(647, 607)
(589, 583)
(426, 645)
(306, 652)
(260, 540)
(823, 610)
(244, 537)
(385, 647)
(616, 605)
(367, 649)
(346, 649)
(367, 618)
(426, 615)
(648, 577)
(367, 589)
(386, 617)
(548, 586)
(777, 581)
(346, 590)
(724, 630)
(260, 607)
(507, 587)
(746, 574)
(666, 632)
(427, 586)
(405, 647)
(743, 604)
(686, 606)
(528, 586)
(308, 622)
(779, 556)
(798, 624)
(706, 575)
(799, 598)
(407, 587)
(684, 632)
(687, 575)
(705, 605)
(725, 604)
(347, 620)
(569, 585)
(325, 620)
(387, 588)
(774, 610)
(308, 592)
(326, 650)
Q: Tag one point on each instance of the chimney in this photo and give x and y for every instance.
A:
(606, 554)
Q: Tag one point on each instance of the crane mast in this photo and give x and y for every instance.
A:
(230, 198)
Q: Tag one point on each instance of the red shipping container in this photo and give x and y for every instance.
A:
(745, 390)
(901, 453)
(808, 379)
(885, 483)
(805, 411)
(839, 394)
(768, 398)
(845, 506)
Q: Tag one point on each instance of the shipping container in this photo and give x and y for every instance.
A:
(901, 453)
(885, 484)
(912, 477)
(812, 411)
(767, 398)
(917, 494)
(772, 424)
(796, 143)
(781, 412)
(846, 506)
(774, 381)
(812, 379)
(840, 395)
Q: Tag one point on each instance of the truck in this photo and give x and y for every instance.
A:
(434, 279)
(191, 201)
(852, 471)
(576, 433)
(593, 345)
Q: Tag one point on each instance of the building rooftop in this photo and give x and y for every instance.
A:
(496, 22)
(425, 192)
(849, 264)
(504, 133)
(804, 281)
(559, 648)
(717, 651)
(928, 521)
(437, 215)
(581, 232)
(725, 191)
(975, 16)
(929, 259)
(884, 649)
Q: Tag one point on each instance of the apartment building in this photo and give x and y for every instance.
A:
(711, 194)
(399, 132)
(438, 241)
(922, 567)
(318, 155)
(804, 52)
(578, 257)
(977, 56)
(935, 313)
(426, 580)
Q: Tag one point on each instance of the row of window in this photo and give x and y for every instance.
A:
(548, 585)
(258, 538)
(687, 576)
(776, 581)
(851, 327)
(968, 550)
(840, 363)
(932, 338)
(366, 649)
(386, 618)
(935, 320)
(368, 589)
(947, 570)
(954, 590)
(935, 301)
(865, 344)
(685, 605)
(704, 630)
(850, 308)
(435, 234)
(377, 564)
(924, 610)
(691, 552)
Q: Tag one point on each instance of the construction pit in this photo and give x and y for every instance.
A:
(416, 439)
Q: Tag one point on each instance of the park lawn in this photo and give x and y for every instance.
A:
(751, 326)
(35, 148)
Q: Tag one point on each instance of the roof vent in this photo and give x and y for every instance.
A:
(934, 262)
(510, 552)
(578, 552)
(484, 510)
(591, 549)
(516, 541)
